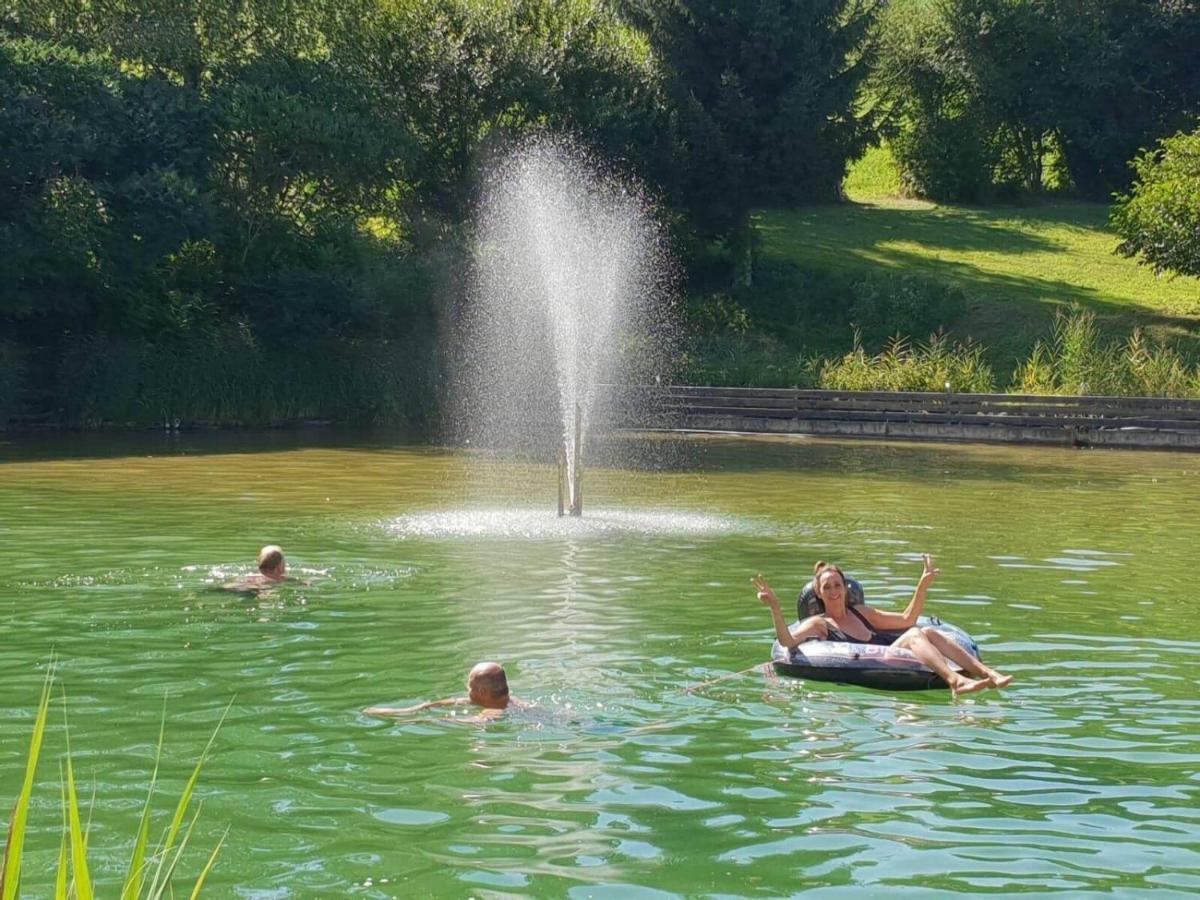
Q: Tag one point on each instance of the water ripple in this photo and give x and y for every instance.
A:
(1082, 778)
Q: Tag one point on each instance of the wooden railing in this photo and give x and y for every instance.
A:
(1029, 418)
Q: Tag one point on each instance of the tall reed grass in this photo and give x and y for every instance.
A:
(936, 365)
(231, 380)
(151, 874)
(1079, 359)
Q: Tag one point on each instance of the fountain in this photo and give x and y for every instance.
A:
(571, 292)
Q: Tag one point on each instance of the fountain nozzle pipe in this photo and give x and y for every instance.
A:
(561, 460)
(577, 473)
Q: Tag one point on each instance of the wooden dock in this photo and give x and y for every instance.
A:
(1134, 422)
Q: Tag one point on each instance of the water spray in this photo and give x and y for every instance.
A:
(571, 281)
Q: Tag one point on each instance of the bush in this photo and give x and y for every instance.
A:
(717, 314)
(886, 305)
(1159, 219)
(1079, 360)
(943, 155)
(808, 313)
(934, 366)
(815, 307)
(746, 361)
(227, 379)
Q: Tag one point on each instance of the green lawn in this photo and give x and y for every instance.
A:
(1015, 264)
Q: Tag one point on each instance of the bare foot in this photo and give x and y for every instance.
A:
(1000, 681)
(968, 686)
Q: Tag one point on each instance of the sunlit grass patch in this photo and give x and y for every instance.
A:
(1016, 267)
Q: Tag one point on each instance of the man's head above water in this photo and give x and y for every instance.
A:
(488, 685)
(271, 563)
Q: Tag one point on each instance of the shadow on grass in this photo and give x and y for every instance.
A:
(1027, 288)
(1006, 311)
(961, 230)
(1026, 308)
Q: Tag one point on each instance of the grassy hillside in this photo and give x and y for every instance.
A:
(1015, 265)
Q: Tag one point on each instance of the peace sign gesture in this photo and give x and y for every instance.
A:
(765, 592)
(930, 572)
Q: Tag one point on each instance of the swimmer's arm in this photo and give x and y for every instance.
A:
(408, 710)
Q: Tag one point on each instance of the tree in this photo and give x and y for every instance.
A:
(928, 107)
(101, 179)
(763, 94)
(464, 76)
(1159, 219)
(1017, 84)
(1137, 81)
(185, 39)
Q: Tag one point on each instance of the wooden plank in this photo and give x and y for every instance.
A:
(935, 418)
(1175, 402)
(1146, 438)
(908, 404)
(1097, 406)
(926, 397)
(961, 409)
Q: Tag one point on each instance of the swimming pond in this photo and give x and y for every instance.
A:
(1073, 569)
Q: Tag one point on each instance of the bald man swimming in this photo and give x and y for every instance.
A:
(487, 687)
(272, 571)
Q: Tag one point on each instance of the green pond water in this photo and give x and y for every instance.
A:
(1074, 570)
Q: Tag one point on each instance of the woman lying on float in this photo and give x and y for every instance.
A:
(858, 623)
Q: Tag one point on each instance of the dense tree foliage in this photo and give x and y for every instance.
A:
(191, 175)
(764, 97)
(465, 76)
(1159, 219)
(140, 206)
(180, 177)
(1024, 94)
(931, 111)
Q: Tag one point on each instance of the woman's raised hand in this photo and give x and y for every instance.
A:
(765, 593)
(930, 572)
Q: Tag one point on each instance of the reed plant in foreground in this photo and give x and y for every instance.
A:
(150, 874)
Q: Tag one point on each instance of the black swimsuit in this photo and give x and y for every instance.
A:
(881, 638)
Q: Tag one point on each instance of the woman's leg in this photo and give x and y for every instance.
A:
(915, 641)
(955, 653)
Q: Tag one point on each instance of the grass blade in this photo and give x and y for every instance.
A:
(10, 873)
(158, 884)
(136, 875)
(157, 890)
(208, 866)
(79, 864)
(60, 882)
